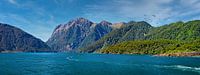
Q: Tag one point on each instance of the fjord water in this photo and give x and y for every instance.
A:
(96, 64)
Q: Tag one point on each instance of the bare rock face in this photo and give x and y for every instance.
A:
(77, 33)
(13, 39)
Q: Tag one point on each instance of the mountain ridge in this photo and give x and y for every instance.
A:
(135, 29)
(77, 33)
(14, 39)
(175, 31)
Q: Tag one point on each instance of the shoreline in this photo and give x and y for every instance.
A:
(182, 54)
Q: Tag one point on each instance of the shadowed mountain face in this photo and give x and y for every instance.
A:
(130, 31)
(13, 39)
(77, 33)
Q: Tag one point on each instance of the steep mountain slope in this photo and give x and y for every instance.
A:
(13, 39)
(177, 31)
(173, 38)
(77, 33)
(130, 31)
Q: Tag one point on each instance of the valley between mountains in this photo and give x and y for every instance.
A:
(84, 36)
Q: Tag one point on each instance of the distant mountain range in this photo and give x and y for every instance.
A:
(13, 39)
(86, 36)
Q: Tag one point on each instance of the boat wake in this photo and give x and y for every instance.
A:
(71, 59)
(182, 67)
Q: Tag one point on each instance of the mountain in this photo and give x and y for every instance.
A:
(178, 37)
(77, 33)
(143, 31)
(13, 39)
(129, 31)
(176, 31)
(117, 25)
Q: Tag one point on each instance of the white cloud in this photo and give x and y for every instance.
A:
(38, 27)
(139, 10)
(156, 12)
(38, 21)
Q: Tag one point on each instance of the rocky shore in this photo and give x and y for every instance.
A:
(180, 54)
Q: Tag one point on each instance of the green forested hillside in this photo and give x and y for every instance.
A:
(175, 34)
(176, 31)
(152, 47)
(130, 31)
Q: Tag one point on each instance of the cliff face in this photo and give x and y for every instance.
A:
(14, 39)
(77, 33)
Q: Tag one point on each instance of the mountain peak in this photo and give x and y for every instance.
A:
(144, 23)
(118, 25)
(105, 23)
(80, 20)
(77, 33)
(77, 22)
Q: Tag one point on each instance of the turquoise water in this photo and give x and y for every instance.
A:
(96, 64)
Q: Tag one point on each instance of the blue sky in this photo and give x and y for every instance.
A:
(40, 17)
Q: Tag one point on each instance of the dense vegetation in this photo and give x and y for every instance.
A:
(141, 38)
(152, 47)
(130, 31)
(176, 31)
